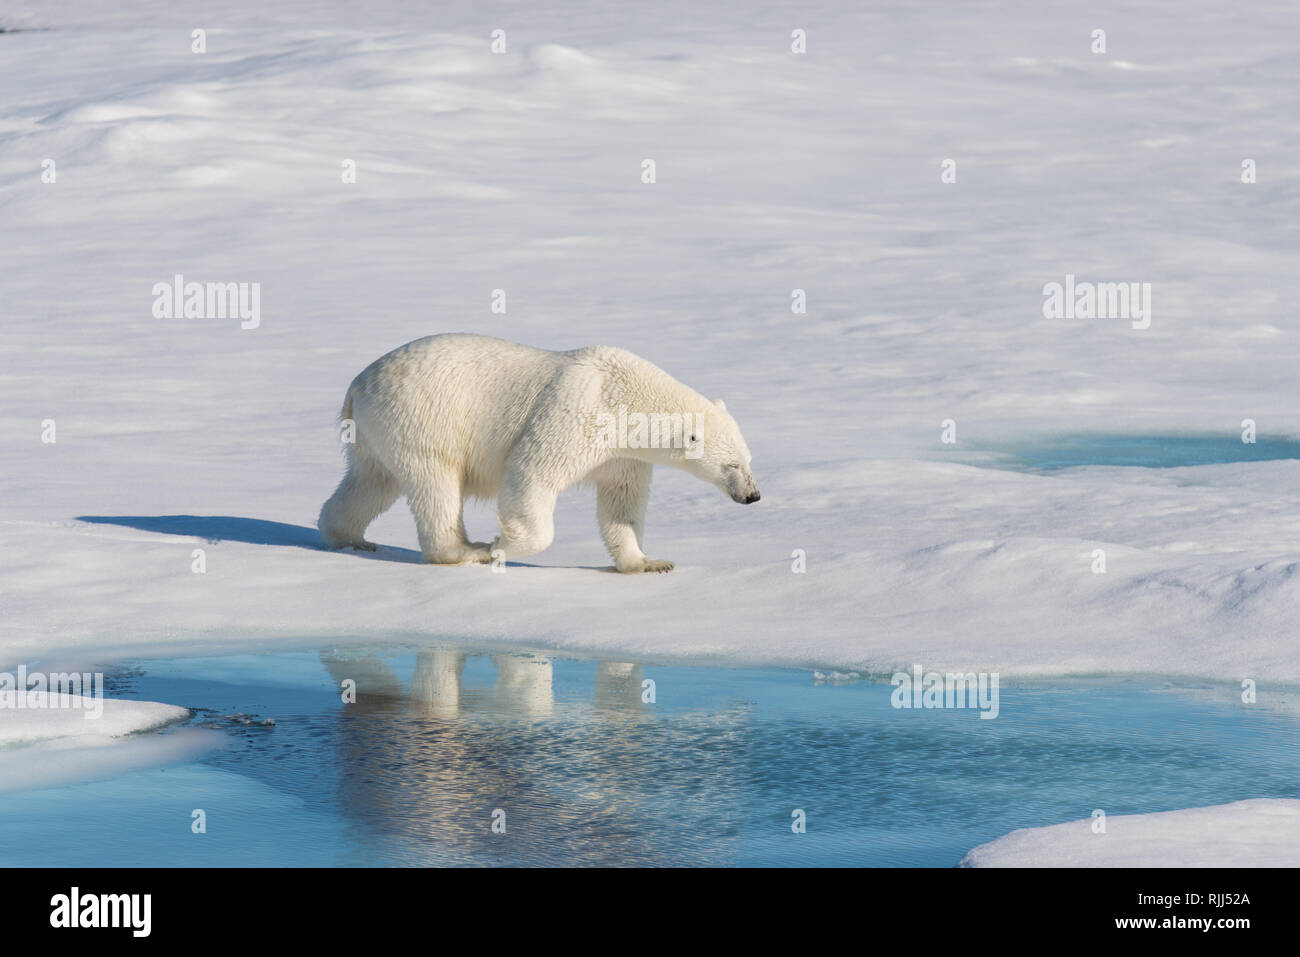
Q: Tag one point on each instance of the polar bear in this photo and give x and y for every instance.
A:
(453, 416)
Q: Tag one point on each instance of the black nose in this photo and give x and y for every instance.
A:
(752, 499)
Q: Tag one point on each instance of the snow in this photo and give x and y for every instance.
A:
(49, 715)
(56, 739)
(775, 172)
(1258, 833)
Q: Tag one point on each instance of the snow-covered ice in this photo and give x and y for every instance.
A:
(54, 740)
(775, 172)
(1259, 833)
(50, 715)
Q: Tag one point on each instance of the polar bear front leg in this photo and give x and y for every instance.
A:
(622, 490)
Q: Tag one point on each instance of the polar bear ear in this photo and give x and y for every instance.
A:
(720, 404)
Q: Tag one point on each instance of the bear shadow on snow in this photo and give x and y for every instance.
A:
(252, 531)
(257, 531)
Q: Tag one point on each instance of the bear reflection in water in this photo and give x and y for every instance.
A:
(442, 772)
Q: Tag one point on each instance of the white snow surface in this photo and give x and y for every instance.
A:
(775, 171)
(1256, 833)
(51, 715)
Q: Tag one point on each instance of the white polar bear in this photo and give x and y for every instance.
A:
(457, 415)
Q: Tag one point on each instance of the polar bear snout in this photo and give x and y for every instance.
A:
(743, 489)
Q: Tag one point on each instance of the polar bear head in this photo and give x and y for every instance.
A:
(716, 452)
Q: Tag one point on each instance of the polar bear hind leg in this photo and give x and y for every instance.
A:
(434, 495)
(526, 510)
(366, 492)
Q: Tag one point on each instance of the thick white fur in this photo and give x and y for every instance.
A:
(453, 416)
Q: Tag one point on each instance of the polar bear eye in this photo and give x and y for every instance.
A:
(731, 466)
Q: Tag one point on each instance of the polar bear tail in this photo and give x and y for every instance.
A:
(347, 405)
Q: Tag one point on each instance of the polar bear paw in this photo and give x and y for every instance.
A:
(471, 553)
(477, 553)
(360, 544)
(645, 565)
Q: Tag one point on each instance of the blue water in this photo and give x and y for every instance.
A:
(586, 773)
(1052, 453)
